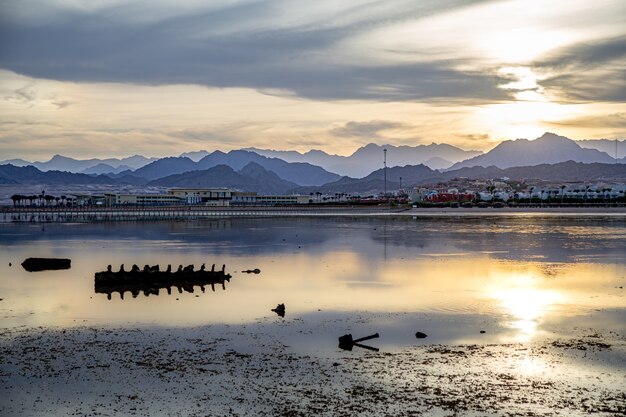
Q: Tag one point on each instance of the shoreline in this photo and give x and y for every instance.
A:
(167, 213)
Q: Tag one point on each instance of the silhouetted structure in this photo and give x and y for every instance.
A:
(150, 280)
(347, 343)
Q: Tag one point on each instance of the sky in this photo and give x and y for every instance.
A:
(112, 78)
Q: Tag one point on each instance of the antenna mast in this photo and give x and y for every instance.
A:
(385, 169)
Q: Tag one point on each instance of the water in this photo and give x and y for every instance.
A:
(516, 278)
(547, 291)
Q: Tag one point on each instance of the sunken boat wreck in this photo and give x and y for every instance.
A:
(150, 280)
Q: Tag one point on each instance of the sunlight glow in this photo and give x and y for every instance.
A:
(526, 306)
(521, 45)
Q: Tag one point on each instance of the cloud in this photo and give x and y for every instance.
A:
(588, 71)
(615, 120)
(474, 137)
(25, 95)
(243, 45)
(369, 130)
(61, 104)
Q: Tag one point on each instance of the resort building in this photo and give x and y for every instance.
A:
(282, 200)
(253, 199)
(142, 200)
(205, 196)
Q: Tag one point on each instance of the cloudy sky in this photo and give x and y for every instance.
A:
(117, 77)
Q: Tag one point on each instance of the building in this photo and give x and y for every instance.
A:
(282, 200)
(243, 198)
(205, 196)
(142, 200)
(253, 199)
(87, 200)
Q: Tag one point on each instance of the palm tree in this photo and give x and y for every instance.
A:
(604, 191)
(48, 199)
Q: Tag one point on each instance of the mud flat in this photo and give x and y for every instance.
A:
(248, 370)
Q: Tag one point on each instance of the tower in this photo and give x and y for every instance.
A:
(385, 169)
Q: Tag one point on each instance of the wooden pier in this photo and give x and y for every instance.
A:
(105, 214)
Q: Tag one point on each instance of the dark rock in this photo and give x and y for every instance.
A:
(44, 264)
(280, 310)
(421, 335)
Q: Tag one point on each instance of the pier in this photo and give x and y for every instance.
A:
(104, 214)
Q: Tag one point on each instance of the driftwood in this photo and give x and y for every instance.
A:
(347, 343)
(44, 264)
(151, 280)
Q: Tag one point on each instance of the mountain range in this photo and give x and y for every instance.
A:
(248, 170)
(296, 172)
(252, 177)
(369, 157)
(10, 174)
(547, 149)
(606, 145)
(85, 166)
(416, 175)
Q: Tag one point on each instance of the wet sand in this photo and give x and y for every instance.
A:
(220, 370)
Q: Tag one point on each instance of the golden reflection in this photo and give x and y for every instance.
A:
(526, 306)
(521, 296)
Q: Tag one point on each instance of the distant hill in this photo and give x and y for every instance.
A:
(165, 167)
(568, 171)
(16, 162)
(375, 182)
(547, 149)
(64, 163)
(252, 177)
(105, 169)
(10, 174)
(607, 146)
(298, 173)
(370, 157)
(195, 155)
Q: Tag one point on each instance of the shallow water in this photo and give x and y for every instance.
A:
(516, 278)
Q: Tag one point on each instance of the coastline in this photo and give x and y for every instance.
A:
(164, 213)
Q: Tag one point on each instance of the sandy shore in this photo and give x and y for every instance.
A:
(245, 370)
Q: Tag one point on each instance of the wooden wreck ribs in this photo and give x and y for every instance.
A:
(150, 280)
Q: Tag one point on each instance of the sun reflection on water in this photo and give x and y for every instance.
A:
(526, 306)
